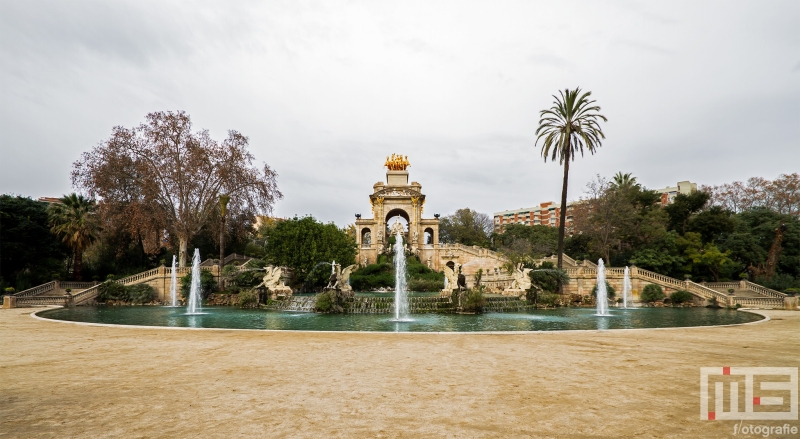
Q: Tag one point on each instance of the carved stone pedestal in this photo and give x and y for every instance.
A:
(511, 292)
(280, 292)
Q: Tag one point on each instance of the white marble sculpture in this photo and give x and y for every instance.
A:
(397, 227)
(451, 277)
(341, 277)
(521, 283)
(521, 279)
(273, 283)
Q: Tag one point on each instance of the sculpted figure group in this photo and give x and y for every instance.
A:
(397, 162)
(521, 279)
(339, 277)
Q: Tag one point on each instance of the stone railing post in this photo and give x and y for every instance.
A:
(634, 271)
(789, 302)
(9, 302)
(742, 284)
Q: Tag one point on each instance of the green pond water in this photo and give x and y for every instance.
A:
(537, 320)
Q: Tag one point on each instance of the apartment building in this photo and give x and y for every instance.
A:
(549, 212)
(545, 214)
(668, 194)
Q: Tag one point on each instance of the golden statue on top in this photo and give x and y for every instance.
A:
(397, 162)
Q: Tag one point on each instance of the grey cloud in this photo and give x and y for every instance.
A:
(326, 90)
(642, 47)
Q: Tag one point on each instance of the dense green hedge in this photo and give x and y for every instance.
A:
(139, 293)
(206, 280)
(610, 291)
(381, 275)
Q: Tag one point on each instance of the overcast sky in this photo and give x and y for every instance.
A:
(707, 91)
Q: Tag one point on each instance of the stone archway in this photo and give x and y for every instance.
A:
(429, 236)
(397, 212)
(366, 236)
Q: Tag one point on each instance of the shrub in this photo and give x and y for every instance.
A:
(372, 277)
(425, 285)
(548, 299)
(248, 299)
(140, 293)
(652, 293)
(681, 296)
(324, 301)
(10, 290)
(610, 291)
(206, 281)
(547, 278)
(111, 291)
(473, 301)
(793, 291)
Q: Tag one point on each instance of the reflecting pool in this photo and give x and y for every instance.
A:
(559, 319)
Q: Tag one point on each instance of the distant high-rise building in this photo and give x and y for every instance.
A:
(549, 212)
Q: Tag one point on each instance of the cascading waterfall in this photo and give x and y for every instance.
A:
(400, 294)
(626, 289)
(602, 293)
(173, 284)
(193, 307)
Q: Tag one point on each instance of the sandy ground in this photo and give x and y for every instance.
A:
(67, 380)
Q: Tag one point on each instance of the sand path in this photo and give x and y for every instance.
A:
(67, 380)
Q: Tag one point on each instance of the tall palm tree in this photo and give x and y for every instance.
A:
(74, 221)
(566, 128)
(224, 199)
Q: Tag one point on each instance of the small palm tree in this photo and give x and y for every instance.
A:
(624, 181)
(566, 128)
(74, 221)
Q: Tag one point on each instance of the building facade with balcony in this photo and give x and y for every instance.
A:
(545, 214)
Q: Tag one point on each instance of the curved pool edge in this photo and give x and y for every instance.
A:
(765, 318)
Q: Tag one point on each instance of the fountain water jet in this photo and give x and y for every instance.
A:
(602, 293)
(626, 288)
(400, 293)
(193, 307)
(173, 284)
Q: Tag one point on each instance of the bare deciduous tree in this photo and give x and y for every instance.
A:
(603, 216)
(781, 195)
(162, 174)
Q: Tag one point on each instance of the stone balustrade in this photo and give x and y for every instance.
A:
(28, 301)
(764, 290)
(76, 285)
(37, 290)
(759, 302)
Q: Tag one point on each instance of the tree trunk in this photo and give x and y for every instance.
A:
(563, 216)
(182, 251)
(77, 265)
(222, 243)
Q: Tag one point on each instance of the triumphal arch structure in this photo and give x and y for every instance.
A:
(396, 197)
